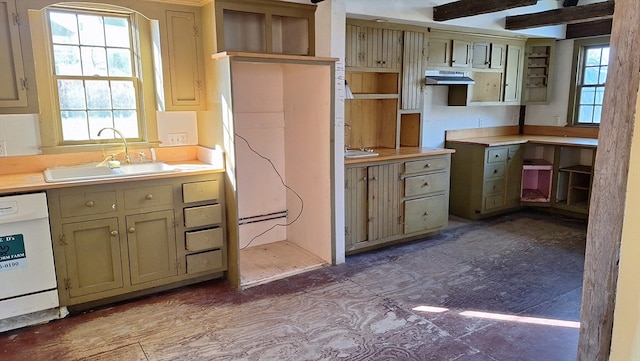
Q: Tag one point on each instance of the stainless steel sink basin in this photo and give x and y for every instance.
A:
(359, 153)
(93, 171)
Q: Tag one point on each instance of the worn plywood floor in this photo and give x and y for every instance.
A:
(508, 288)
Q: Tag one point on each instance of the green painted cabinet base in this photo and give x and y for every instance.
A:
(113, 241)
(393, 201)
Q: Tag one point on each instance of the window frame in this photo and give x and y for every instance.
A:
(577, 69)
(50, 128)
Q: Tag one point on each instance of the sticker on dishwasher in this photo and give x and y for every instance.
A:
(12, 254)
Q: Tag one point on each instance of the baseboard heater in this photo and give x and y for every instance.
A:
(263, 217)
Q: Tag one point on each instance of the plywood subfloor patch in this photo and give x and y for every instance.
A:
(273, 261)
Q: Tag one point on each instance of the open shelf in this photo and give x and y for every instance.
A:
(537, 175)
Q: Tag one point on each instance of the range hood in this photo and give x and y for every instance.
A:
(445, 77)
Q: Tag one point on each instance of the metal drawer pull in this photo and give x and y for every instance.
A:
(114, 233)
(426, 213)
(428, 165)
(495, 171)
(149, 196)
(90, 204)
(132, 229)
(497, 155)
(426, 184)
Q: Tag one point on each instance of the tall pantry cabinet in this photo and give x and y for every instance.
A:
(276, 113)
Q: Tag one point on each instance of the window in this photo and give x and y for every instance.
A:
(590, 74)
(96, 83)
(100, 72)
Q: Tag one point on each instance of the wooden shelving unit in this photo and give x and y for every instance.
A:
(537, 70)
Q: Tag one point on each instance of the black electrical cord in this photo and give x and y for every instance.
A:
(283, 183)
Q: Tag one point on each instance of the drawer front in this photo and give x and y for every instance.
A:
(494, 170)
(425, 184)
(426, 165)
(494, 202)
(205, 261)
(203, 216)
(495, 155)
(205, 239)
(148, 197)
(425, 213)
(83, 204)
(494, 186)
(200, 191)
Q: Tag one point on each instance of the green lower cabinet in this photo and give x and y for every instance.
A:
(484, 180)
(151, 240)
(128, 239)
(93, 256)
(395, 200)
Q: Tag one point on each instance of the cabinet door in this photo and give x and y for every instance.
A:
(13, 92)
(512, 78)
(460, 54)
(151, 238)
(384, 201)
(355, 193)
(353, 43)
(514, 175)
(379, 48)
(425, 213)
(497, 57)
(481, 55)
(184, 68)
(439, 53)
(412, 70)
(93, 257)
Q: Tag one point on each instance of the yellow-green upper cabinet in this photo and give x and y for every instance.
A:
(439, 52)
(264, 26)
(183, 66)
(373, 47)
(445, 52)
(513, 74)
(17, 93)
(412, 70)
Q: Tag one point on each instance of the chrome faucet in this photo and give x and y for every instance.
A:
(127, 158)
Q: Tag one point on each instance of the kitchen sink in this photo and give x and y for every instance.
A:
(94, 171)
(359, 153)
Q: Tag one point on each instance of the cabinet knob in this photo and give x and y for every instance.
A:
(426, 213)
(132, 229)
(90, 204)
(114, 233)
(428, 165)
(497, 155)
(374, 178)
(495, 171)
(364, 178)
(149, 196)
(426, 184)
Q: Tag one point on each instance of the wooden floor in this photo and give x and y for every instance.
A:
(505, 288)
(273, 261)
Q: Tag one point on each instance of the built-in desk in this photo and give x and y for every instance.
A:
(487, 173)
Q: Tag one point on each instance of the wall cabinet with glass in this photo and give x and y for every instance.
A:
(264, 26)
(127, 239)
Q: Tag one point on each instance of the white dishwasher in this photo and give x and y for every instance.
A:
(28, 292)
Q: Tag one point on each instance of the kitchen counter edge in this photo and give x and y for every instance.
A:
(400, 153)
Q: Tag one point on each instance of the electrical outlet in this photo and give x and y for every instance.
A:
(178, 138)
(3, 148)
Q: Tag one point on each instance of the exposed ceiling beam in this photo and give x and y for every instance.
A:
(574, 14)
(568, 3)
(464, 8)
(589, 28)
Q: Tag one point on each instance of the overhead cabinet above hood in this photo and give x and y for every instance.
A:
(443, 77)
